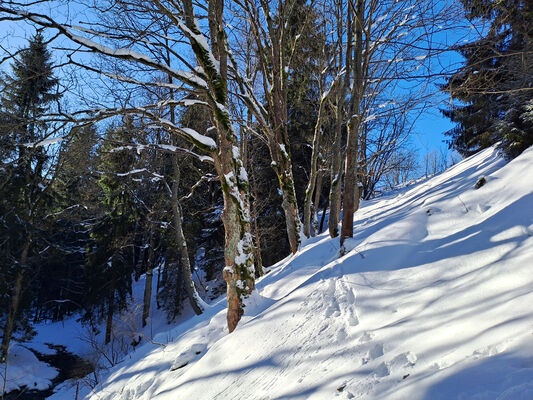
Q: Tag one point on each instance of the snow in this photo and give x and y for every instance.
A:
(431, 301)
(191, 133)
(24, 369)
(44, 142)
(187, 77)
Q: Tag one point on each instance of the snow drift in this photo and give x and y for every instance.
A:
(433, 301)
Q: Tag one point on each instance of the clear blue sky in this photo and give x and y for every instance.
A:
(428, 132)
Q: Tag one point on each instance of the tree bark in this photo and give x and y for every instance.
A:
(316, 205)
(238, 250)
(15, 302)
(149, 277)
(313, 170)
(184, 266)
(351, 188)
(110, 312)
(336, 164)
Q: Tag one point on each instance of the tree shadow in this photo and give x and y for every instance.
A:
(503, 376)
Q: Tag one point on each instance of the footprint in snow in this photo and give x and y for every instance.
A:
(403, 361)
(400, 363)
(366, 337)
(188, 355)
(373, 353)
(341, 302)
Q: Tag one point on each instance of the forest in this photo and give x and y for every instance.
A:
(195, 143)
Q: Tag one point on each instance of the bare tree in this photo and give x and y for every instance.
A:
(205, 74)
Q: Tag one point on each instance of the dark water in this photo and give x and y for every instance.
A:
(69, 366)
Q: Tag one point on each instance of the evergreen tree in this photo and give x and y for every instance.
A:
(494, 84)
(110, 256)
(25, 180)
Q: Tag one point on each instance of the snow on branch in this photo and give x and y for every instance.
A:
(44, 142)
(162, 147)
(190, 78)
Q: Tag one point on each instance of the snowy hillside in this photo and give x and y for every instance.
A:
(432, 302)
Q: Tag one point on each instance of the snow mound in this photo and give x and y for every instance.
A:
(433, 301)
(25, 370)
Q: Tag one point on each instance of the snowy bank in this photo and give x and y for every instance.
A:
(433, 301)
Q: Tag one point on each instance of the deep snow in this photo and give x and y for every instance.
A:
(433, 301)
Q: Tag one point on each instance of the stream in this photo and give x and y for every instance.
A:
(69, 366)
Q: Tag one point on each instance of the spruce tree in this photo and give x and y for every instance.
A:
(494, 86)
(27, 94)
(110, 260)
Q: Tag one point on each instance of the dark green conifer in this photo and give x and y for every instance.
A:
(494, 86)
(27, 94)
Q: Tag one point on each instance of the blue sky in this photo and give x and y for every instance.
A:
(428, 134)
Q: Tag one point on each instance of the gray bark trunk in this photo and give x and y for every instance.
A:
(148, 282)
(351, 188)
(184, 265)
(318, 192)
(313, 171)
(15, 302)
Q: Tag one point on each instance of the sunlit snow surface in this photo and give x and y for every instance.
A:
(433, 301)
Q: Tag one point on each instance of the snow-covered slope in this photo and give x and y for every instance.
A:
(433, 301)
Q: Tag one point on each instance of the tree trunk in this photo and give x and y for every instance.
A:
(238, 249)
(324, 209)
(184, 266)
(316, 205)
(282, 165)
(258, 259)
(336, 164)
(110, 312)
(149, 277)
(313, 171)
(15, 302)
(350, 183)
(351, 188)
(336, 180)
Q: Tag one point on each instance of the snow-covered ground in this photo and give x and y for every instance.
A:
(25, 370)
(433, 301)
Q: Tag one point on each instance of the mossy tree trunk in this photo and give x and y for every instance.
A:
(238, 250)
(316, 203)
(282, 164)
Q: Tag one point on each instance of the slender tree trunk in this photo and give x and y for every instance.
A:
(321, 228)
(336, 164)
(184, 266)
(158, 285)
(149, 277)
(351, 188)
(316, 205)
(313, 170)
(282, 165)
(15, 301)
(110, 312)
(336, 178)
(258, 258)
